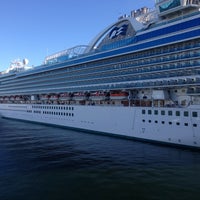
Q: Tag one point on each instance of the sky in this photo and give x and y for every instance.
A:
(33, 29)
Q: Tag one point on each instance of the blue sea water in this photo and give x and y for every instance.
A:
(49, 163)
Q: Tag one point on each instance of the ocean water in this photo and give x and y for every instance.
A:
(50, 163)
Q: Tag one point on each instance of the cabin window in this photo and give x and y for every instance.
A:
(177, 113)
(162, 112)
(149, 112)
(186, 114)
(143, 112)
(156, 112)
(194, 114)
(170, 113)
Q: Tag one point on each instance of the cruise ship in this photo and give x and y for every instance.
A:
(139, 78)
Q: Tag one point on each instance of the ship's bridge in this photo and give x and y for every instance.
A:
(168, 8)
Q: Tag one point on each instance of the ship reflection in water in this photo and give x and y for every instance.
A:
(41, 162)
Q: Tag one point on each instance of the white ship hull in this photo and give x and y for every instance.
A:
(138, 78)
(116, 120)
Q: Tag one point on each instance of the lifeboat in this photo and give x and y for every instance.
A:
(119, 95)
(65, 97)
(18, 98)
(97, 96)
(6, 98)
(12, 98)
(1, 98)
(79, 96)
(54, 97)
(45, 97)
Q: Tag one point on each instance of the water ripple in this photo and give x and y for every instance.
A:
(41, 162)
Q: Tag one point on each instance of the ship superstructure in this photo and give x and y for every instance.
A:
(140, 78)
